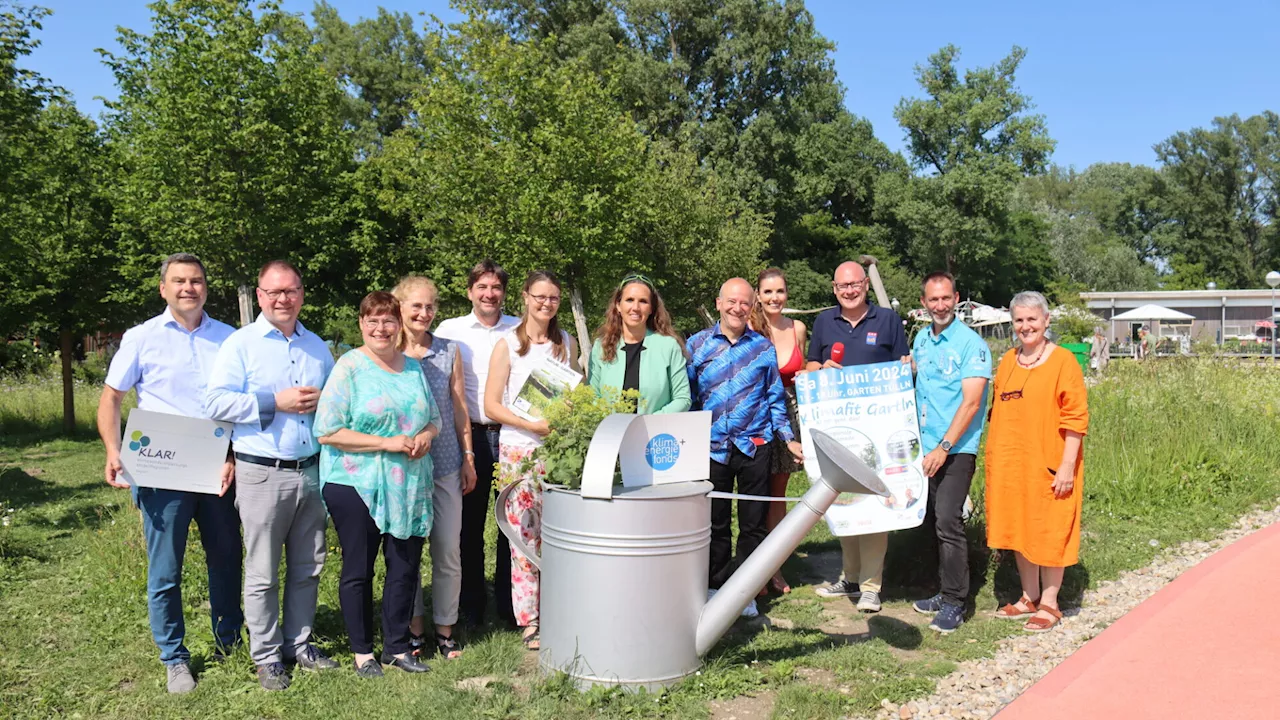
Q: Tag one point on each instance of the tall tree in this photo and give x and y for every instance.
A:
(380, 62)
(1222, 196)
(970, 139)
(749, 86)
(535, 164)
(233, 147)
(22, 95)
(63, 229)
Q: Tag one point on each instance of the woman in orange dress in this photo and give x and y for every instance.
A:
(1035, 463)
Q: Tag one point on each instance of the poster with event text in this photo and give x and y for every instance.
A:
(871, 409)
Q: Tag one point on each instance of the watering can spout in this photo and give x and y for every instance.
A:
(842, 472)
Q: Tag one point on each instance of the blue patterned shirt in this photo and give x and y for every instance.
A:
(739, 383)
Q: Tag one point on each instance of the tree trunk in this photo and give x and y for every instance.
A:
(706, 316)
(580, 324)
(245, 296)
(66, 346)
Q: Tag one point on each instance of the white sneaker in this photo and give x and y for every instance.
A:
(869, 602)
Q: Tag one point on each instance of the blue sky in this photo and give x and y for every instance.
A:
(1112, 78)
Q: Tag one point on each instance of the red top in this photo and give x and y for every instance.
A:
(795, 364)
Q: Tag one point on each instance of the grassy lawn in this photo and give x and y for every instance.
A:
(1177, 450)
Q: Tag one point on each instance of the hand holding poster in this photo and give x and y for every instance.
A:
(549, 380)
(872, 410)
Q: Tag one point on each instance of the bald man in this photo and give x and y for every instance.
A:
(733, 372)
(869, 334)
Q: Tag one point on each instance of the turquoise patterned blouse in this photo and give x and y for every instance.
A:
(363, 397)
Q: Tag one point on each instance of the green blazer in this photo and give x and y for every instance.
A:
(664, 382)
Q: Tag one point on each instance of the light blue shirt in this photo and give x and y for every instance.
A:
(942, 363)
(255, 363)
(168, 364)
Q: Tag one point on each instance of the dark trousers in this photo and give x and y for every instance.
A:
(947, 490)
(475, 514)
(752, 476)
(360, 540)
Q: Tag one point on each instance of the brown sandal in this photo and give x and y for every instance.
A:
(1036, 624)
(1011, 611)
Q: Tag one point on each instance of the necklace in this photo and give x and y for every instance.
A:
(1031, 364)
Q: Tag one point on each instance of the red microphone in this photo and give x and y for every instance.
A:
(837, 352)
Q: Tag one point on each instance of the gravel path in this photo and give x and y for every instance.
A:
(980, 688)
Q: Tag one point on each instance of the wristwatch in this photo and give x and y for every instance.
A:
(946, 446)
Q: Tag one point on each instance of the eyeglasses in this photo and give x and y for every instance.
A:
(1012, 395)
(841, 287)
(545, 299)
(373, 322)
(288, 293)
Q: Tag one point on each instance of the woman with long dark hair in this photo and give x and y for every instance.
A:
(515, 356)
(639, 349)
(787, 336)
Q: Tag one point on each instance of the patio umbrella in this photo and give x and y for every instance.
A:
(1154, 312)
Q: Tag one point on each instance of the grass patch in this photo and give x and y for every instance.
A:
(1177, 450)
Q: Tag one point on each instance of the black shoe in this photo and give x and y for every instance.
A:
(370, 670)
(272, 676)
(312, 659)
(409, 664)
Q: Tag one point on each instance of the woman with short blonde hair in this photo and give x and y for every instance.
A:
(1035, 463)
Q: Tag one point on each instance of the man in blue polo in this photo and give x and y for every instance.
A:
(168, 359)
(869, 334)
(953, 366)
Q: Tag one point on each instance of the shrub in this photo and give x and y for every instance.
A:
(573, 418)
(20, 358)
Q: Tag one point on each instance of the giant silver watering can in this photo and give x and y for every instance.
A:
(624, 573)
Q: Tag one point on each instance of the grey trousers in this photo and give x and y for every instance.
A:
(446, 552)
(281, 510)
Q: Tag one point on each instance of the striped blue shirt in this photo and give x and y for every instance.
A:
(739, 383)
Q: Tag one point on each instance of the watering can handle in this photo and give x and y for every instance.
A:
(512, 533)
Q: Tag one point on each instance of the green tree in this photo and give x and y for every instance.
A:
(380, 61)
(748, 86)
(22, 95)
(535, 164)
(233, 147)
(1222, 197)
(970, 139)
(64, 231)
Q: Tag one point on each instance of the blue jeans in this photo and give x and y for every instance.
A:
(166, 519)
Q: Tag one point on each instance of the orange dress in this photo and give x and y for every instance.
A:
(1025, 440)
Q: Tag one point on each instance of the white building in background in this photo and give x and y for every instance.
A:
(1219, 314)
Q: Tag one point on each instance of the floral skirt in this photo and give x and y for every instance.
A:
(523, 511)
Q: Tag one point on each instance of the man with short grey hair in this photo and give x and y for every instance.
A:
(167, 360)
(267, 380)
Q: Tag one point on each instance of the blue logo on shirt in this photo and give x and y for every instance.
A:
(218, 432)
(871, 338)
(662, 452)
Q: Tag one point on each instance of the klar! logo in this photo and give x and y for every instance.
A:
(138, 441)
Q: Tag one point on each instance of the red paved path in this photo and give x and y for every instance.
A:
(1207, 645)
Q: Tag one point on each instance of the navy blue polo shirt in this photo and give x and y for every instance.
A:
(879, 337)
